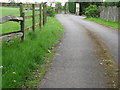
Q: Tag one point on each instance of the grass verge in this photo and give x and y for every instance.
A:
(104, 22)
(24, 64)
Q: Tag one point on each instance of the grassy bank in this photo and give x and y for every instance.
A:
(104, 22)
(24, 64)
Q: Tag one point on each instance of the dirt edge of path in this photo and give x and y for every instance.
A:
(106, 61)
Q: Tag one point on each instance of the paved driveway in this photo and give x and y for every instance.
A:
(77, 62)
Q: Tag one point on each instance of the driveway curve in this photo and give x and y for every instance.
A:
(77, 62)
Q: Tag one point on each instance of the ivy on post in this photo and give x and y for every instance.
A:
(41, 14)
(23, 27)
(33, 17)
(44, 13)
(40, 17)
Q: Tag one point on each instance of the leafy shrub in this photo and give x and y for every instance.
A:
(72, 7)
(92, 11)
(50, 12)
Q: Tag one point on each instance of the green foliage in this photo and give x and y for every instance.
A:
(20, 60)
(58, 6)
(72, 7)
(84, 5)
(92, 11)
(50, 11)
(111, 4)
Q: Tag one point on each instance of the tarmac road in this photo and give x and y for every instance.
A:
(77, 61)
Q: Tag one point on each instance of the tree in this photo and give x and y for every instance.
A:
(92, 11)
(72, 7)
(58, 7)
(52, 2)
(12, 1)
(84, 5)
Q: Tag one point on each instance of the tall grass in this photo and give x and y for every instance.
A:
(19, 60)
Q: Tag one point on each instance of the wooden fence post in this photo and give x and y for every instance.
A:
(40, 18)
(23, 26)
(33, 21)
(44, 13)
(21, 9)
(22, 22)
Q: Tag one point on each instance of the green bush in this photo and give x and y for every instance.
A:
(72, 7)
(92, 11)
(50, 12)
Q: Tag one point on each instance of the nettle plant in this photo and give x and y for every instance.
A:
(92, 11)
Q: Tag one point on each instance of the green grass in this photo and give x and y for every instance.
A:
(15, 26)
(104, 22)
(21, 60)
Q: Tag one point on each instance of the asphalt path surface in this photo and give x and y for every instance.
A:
(76, 63)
